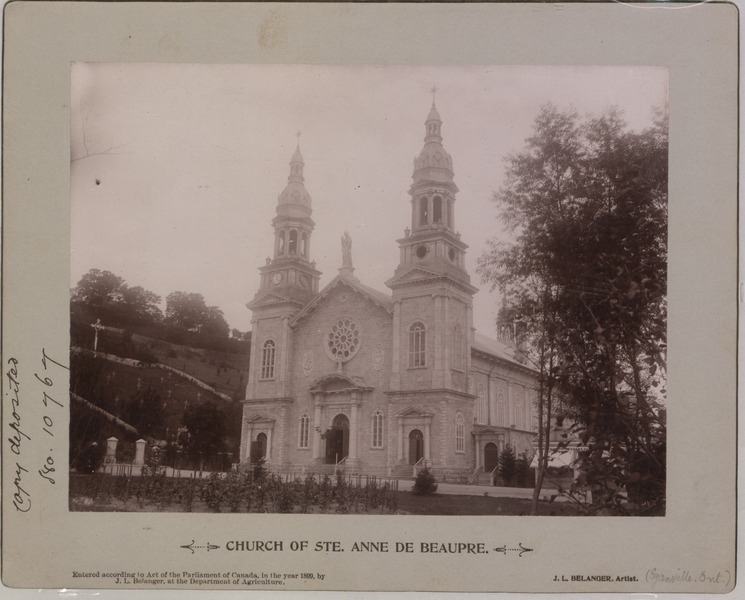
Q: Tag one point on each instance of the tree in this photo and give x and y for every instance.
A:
(186, 310)
(215, 323)
(189, 311)
(507, 465)
(98, 289)
(107, 296)
(424, 484)
(205, 424)
(585, 277)
(522, 470)
(141, 305)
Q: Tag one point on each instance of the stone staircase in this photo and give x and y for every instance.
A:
(402, 471)
(324, 469)
(483, 478)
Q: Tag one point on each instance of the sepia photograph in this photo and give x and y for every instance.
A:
(367, 298)
(385, 290)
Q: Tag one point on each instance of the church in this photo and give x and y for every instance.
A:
(373, 382)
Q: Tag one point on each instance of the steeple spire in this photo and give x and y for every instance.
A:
(432, 240)
(296, 165)
(290, 273)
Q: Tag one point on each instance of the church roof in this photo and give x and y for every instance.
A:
(295, 193)
(496, 348)
(381, 299)
(433, 114)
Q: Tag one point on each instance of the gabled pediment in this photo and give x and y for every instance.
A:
(353, 285)
(412, 275)
(336, 382)
(414, 411)
(259, 417)
(268, 299)
(416, 274)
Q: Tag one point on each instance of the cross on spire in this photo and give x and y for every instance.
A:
(434, 91)
(297, 135)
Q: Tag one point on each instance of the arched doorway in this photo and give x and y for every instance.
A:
(491, 457)
(416, 446)
(258, 448)
(337, 440)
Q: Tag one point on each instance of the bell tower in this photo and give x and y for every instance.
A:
(431, 241)
(431, 289)
(290, 273)
(289, 281)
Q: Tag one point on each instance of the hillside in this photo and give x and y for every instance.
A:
(133, 378)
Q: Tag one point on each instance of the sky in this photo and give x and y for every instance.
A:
(176, 169)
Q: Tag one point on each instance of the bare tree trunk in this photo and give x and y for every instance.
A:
(544, 405)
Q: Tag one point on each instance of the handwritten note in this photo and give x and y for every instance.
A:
(24, 432)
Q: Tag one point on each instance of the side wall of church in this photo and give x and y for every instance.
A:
(509, 395)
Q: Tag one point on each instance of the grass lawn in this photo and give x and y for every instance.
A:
(443, 504)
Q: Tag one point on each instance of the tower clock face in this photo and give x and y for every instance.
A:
(276, 278)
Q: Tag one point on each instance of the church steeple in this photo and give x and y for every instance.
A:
(293, 224)
(431, 289)
(431, 241)
(433, 189)
(290, 273)
(433, 123)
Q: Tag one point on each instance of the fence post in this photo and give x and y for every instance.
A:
(140, 452)
(110, 457)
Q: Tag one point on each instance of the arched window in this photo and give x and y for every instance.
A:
(303, 437)
(501, 410)
(267, 360)
(417, 345)
(457, 347)
(281, 247)
(423, 210)
(481, 412)
(304, 245)
(519, 413)
(377, 429)
(292, 247)
(460, 433)
(450, 214)
(437, 210)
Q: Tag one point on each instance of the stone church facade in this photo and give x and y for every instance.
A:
(373, 382)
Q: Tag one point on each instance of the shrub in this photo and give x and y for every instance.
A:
(259, 469)
(213, 493)
(285, 498)
(523, 471)
(507, 465)
(424, 484)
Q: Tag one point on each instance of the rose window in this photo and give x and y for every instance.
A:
(343, 340)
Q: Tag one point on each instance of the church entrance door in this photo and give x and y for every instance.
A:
(416, 446)
(491, 457)
(337, 440)
(258, 448)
